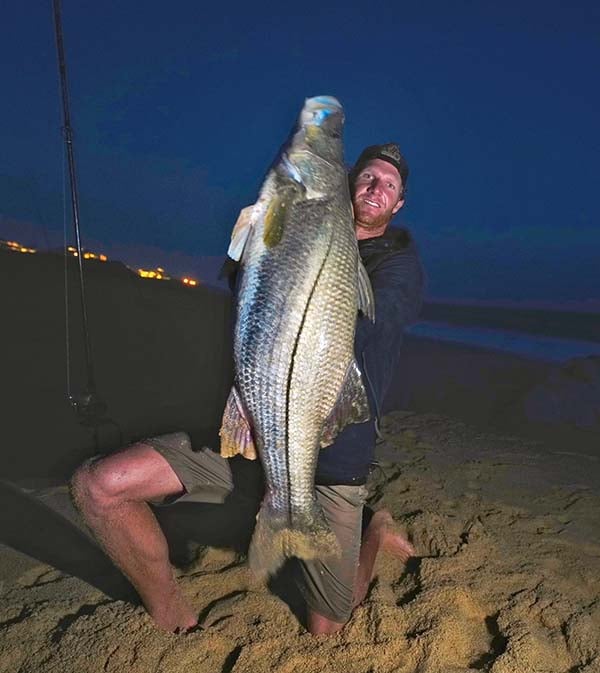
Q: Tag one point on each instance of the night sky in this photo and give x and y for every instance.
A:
(179, 107)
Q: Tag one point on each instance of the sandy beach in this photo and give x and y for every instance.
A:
(504, 515)
(506, 578)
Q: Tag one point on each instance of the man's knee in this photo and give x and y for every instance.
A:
(319, 625)
(96, 486)
(137, 474)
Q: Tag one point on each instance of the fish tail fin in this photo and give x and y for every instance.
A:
(274, 539)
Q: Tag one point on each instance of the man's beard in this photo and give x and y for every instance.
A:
(373, 221)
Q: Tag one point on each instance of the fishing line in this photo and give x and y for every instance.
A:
(66, 276)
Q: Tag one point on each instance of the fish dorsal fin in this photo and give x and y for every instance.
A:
(240, 233)
(352, 406)
(235, 432)
(366, 300)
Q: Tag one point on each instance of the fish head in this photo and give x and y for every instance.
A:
(314, 158)
(322, 115)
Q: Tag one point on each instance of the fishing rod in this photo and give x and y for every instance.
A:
(88, 406)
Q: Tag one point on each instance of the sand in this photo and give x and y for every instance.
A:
(507, 577)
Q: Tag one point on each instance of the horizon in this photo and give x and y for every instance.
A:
(205, 268)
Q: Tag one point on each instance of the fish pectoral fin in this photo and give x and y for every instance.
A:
(366, 300)
(240, 233)
(352, 406)
(236, 433)
(287, 194)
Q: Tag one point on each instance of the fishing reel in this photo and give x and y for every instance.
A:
(89, 408)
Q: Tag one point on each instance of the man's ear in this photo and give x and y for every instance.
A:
(397, 207)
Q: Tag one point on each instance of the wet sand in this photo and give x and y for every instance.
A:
(506, 578)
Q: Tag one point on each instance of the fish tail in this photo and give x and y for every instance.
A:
(274, 540)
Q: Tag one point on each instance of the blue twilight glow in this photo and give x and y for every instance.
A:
(178, 110)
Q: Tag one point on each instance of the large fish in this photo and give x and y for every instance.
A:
(296, 381)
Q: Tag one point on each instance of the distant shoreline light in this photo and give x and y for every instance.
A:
(158, 274)
(17, 247)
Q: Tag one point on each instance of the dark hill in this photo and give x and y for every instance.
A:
(161, 353)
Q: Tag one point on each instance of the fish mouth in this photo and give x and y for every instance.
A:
(324, 102)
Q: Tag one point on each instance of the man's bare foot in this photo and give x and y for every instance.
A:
(174, 616)
(391, 540)
(380, 535)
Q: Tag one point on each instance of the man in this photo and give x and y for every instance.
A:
(113, 492)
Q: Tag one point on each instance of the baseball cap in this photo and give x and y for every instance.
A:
(389, 152)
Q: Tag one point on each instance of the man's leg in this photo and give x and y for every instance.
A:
(327, 585)
(112, 494)
(333, 589)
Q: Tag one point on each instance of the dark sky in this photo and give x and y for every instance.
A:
(179, 107)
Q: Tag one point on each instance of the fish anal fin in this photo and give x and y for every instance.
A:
(235, 433)
(352, 406)
(366, 300)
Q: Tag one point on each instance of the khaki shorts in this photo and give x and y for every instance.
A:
(327, 586)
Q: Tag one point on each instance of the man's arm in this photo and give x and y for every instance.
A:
(398, 282)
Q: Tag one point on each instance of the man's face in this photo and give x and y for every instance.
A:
(377, 197)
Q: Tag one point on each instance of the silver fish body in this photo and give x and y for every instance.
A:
(296, 379)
